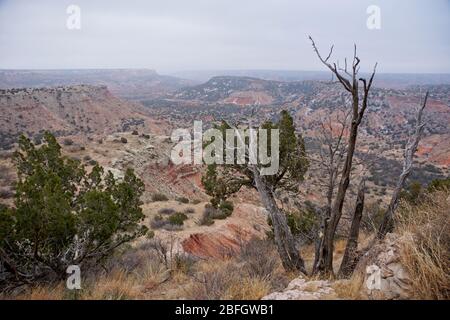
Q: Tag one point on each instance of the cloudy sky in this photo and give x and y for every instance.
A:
(176, 35)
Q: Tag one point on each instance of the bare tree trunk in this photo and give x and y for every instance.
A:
(290, 256)
(350, 258)
(331, 158)
(387, 224)
(350, 82)
(325, 262)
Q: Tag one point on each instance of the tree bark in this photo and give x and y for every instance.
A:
(289, 254)
(350, 255)
(325, 261)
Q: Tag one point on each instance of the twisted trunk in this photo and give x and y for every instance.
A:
(290, 256)
(350, 255)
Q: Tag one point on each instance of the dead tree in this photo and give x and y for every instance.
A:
(350, 258)
(387, 224)
(331, 156)
(350, 82)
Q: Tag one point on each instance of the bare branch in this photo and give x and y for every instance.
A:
(411, 148)
(333, 68)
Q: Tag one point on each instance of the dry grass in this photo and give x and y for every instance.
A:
(115, 286)
(224, 280)
(248, 289)
(350, 289)
(43, 293)
(152, 276)
(425, 249)
(246, 275)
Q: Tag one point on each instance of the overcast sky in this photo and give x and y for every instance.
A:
(176, 35)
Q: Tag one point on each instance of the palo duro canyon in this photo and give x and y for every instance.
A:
(186, 153)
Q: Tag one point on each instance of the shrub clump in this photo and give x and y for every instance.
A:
(189, 210)
(206, 219)
(182, 200)
(177, 218)
(173, 222)
(67, 142)
(158, 222)
(63, 215)
(166, 211)
(159, 197)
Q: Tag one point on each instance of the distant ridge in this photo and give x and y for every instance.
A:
(82, 110)
(126, 83)
(387, 80)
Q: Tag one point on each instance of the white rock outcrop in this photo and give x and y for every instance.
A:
(385, 277)
(300, 289)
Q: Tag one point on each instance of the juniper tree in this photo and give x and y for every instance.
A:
(221, 181)
(63, 215)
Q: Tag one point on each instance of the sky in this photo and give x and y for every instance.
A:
(179, 35)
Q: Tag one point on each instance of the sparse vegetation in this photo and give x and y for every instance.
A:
(158, 222)
(166, 211)
(159, 197)
(174, 221)
(182, 199)
(177, 218)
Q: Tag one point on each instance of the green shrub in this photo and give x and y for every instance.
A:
(183, 199)
(159, 197)
(226, 207)
(303, 224)
(439, 184)
(412, 193)
(63, 215)
(196, 201)
(177, 218)
(214, 213)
